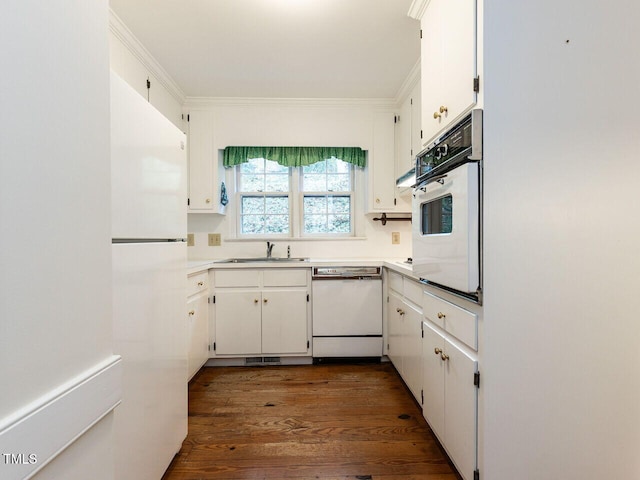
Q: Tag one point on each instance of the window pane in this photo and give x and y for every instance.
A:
(338, 183)
(315, 205)
(332, 166)
(339, 224)
(277, 205)
(315, 223)
(314, 183)
(253, 224)
(251, 183)
(339, 205)
(318, 167)
(254, 165)
(252, 205)
(277, 183)
(275, 167)
(277, 224)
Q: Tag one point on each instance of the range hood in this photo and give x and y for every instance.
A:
(407, 180)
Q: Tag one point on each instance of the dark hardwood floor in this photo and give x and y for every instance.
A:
(306, 422)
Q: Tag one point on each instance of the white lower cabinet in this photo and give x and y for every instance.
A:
(451, 397)
(404, 334)
(238, 328)
(198, 323)
(261, 312)
(284, 325)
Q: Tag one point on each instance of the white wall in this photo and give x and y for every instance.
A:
(562, 336)
(309, 123)
(55, 280)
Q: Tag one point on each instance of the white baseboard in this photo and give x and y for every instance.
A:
(34, 435)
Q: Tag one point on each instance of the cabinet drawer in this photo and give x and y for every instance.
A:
(413, 291)
(278, 277)
(237, 278)
(395, 282)
(197, 283)
(460, 323)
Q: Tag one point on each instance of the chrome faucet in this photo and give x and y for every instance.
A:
(269, 248)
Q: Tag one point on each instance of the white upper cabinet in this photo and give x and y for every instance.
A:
(408, 131)
(382, 197)
(448, 64)
(205, 171)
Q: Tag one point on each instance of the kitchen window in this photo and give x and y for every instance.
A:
(327, 197)
(314, 200)
(264, 190)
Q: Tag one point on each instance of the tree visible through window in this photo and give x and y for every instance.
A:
(324, 191)
(327, 197)
(264, 209)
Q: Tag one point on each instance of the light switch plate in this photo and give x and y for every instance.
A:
(190, 240)
(214, 240)
(395, 238)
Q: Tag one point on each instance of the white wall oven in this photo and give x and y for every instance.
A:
(447, 210)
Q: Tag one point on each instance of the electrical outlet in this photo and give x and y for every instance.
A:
(395, 238)
(215, 240)
(190, 240)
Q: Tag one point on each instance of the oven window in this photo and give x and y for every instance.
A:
(436, 216)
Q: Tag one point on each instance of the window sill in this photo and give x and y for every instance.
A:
(275, 238)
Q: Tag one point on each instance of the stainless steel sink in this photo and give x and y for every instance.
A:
(265, 260)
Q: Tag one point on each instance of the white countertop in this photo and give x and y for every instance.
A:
(196, 266)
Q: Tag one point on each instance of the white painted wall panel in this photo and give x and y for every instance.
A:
(560, 360)
(55, 282)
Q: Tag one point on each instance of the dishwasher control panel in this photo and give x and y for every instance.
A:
(346, 272)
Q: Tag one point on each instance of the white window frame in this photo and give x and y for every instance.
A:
(349, 193)
(296, 205)
(238, 195)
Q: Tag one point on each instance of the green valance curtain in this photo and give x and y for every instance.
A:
(293, 156)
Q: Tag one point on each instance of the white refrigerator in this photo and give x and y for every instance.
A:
(149, 224)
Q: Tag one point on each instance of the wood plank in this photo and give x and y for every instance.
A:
(307, 422)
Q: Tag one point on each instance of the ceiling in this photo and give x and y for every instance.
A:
(278, 48)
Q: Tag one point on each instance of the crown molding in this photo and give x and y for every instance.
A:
(417, 8)
(122, 32)
(407, 86)
(206, 102)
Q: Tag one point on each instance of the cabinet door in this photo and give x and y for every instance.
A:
(382, 163)
(416, 124)
(403, 138)
(412, 351)
(394, 333)
(198, 350)
(433, 381)
(459, 49)
(431, 68)
(201, 162)
(448, 54)
(461, 400)
(284, 321)
(238, 323)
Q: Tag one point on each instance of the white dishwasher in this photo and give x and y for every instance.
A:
(347, 313)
